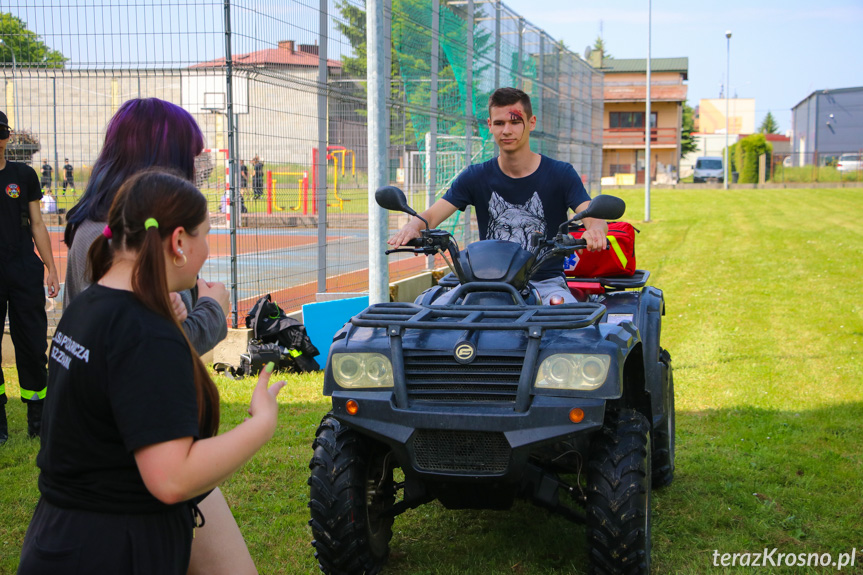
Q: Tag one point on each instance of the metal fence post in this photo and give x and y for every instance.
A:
(236, 204)
(496, 56)
(431, 146)
(378, 119)
(321, 191)
(540, 78)
(468, 121)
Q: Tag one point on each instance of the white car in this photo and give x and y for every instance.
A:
(850, 163)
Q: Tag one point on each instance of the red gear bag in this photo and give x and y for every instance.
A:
(617, 260)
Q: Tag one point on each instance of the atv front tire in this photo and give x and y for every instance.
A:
(618, 496)
(351, 483)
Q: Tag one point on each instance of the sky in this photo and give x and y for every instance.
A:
(780, 52)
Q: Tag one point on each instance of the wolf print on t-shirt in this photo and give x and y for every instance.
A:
(513, 222)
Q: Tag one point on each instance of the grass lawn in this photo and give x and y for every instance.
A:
(765, 328)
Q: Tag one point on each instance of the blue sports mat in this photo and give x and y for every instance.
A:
(324, 319)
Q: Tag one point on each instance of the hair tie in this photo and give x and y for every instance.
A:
(151, 223)
(107, 232)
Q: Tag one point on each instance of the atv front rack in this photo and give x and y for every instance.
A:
(473, 317)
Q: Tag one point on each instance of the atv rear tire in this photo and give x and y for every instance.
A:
(351, 483)
(663, 435)
(618, 496)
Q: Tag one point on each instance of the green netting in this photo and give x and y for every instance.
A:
(504, 51)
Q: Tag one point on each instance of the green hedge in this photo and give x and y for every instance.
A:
(744, 157)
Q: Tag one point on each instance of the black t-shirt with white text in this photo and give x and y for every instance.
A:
(121, 378)
(19, 185)
(512, 208)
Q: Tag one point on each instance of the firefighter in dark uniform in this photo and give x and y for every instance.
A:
(47, 171)
(22, 274)
(68, 177)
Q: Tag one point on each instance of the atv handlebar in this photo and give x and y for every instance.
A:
(417, 243)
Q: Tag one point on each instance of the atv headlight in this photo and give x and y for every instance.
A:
(359, 370)
(573, 371)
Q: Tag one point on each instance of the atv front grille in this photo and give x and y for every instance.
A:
(474, 452)
(438, 377)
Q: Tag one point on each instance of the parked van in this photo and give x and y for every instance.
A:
(708, 169)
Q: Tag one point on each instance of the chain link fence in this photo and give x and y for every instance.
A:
(279, 90)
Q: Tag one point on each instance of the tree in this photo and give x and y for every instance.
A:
(769, 125)
(687, 142)
(410, 68)
(27, 46)
(599, 45)
(354, 29)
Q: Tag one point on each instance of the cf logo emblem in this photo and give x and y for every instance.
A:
(465, 352)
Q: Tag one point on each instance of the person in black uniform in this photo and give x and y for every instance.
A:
(21, 278)
(244, 177)
(47, 170)
(68, 177)
(129, 442)
(258, 178)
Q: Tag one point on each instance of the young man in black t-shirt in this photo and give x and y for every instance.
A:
(516, 193)
(47, 170)
(68, 177)
(258, 178)
(244, 177)
(22, 274)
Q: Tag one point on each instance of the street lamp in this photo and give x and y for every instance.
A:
(727, 90)
(14, 87)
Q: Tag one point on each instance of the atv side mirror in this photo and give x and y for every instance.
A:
(602, 207)
(393, 199)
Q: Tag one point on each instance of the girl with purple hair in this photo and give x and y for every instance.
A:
(147, 133)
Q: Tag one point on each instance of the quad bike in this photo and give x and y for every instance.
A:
(492, 397)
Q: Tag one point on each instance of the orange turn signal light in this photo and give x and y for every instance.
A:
(352, 407)
(555, 300)
(576, 415)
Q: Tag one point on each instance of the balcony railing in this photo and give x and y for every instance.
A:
(635, 137)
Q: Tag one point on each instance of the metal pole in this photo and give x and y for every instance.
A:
(321, 191)
(519, 65)
(56, 152)
(727, 89)
(496, 56)
(433, 115)
(647, 132)
(540, 94)
(236, 205)
(377, 47)
(468, 108)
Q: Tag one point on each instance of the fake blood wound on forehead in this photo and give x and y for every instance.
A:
(515, 114)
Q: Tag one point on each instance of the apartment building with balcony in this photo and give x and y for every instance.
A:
(625, 97)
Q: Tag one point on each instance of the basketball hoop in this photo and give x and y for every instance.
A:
(214, 102)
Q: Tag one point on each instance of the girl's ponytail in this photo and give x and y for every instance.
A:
(148, 207)
(99, 259)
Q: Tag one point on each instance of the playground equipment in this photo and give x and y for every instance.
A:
(302, 191)
(332, 154)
